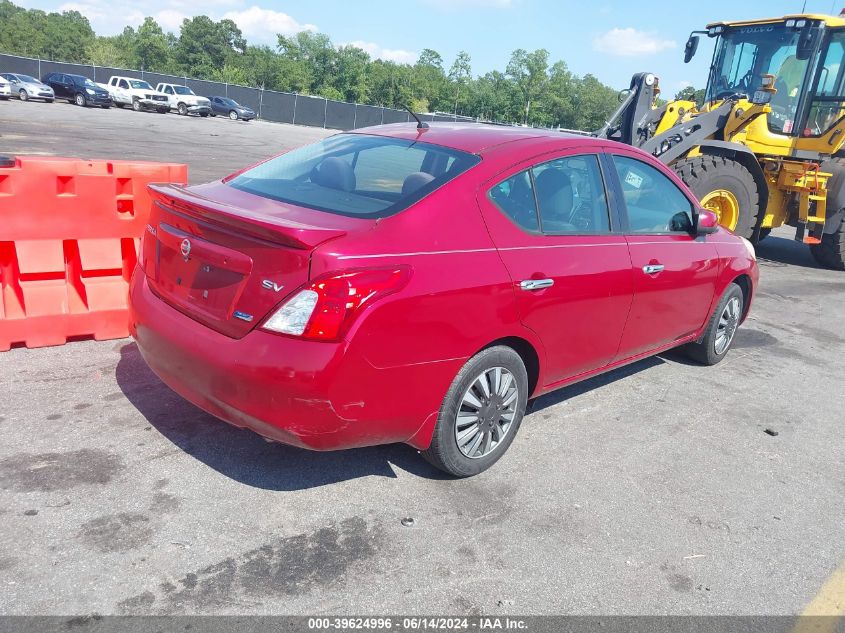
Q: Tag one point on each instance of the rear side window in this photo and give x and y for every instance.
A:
(560, 197)
(356, 174)
(653, 202)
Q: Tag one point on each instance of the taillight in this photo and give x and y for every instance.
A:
(325, 309)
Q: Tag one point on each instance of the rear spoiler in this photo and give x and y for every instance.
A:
(272, 229)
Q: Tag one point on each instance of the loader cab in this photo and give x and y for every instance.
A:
(788, 49)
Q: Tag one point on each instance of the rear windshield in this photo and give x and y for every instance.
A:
(356, 174)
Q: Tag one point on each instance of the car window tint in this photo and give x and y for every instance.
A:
(654, 203)
(571, 196)
(385, 168)
(356, 174)
(515, 198)
(123, 84)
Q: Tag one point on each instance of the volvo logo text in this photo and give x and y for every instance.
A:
(271, 285)
(186, 248)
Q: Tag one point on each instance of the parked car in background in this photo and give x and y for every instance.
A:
(5, 89)
(183, 100)
(137, 93)
(78, 89)
(25, 87)
(422, 284)
(225, 106)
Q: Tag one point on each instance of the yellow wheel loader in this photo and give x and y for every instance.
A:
(765, 148)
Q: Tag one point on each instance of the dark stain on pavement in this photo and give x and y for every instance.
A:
(7, 562)
(749, 337)
(117, 532)
(292, 565)
(47, 472)
(164, 502)
(117, 395)
(680, 583)
(82, 406)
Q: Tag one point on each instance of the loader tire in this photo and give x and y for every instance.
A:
(726, 187)
(831, 252)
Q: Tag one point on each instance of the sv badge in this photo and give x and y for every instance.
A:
(271, 285)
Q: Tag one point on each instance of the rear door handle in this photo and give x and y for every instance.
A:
(536, 284)
(653, 269)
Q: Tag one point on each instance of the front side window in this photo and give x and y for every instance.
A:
(123, 84)
(654, 203)
(356, 174)
(560, 197)
(827, 105)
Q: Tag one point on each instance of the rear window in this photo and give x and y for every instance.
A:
(356, 174)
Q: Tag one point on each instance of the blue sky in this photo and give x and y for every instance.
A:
(609, 38)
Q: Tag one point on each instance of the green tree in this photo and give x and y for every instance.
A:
(528, 71)
(460, 74)
(205, 45)
(150, 48)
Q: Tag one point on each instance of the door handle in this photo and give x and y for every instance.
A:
(536, 284)
(653, 269)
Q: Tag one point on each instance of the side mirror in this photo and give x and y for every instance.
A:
(707, 222)
(690, 48)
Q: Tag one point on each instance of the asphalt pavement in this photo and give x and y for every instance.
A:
(655, 489)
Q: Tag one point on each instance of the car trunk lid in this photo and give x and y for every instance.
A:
(226, 258)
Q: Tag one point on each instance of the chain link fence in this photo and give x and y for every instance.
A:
(270, 105)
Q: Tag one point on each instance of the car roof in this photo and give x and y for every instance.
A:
(474, 138)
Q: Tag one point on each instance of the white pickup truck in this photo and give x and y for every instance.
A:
(184, 101)
(126, 91)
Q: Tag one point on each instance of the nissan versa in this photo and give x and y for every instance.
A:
(421, 284)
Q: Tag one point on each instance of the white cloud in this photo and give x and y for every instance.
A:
(375, 51)
(262, 25)
(170, 20)
(630, 42)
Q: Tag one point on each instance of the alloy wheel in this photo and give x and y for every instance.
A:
(728, 322)
(486, 412)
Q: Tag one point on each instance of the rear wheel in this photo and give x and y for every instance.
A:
(81, 100)
(725, 187)
(721, 329)
(481, 413)
(830, 253)
(118, 104)
(23, 94)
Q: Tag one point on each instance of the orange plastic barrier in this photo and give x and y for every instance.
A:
(69, 233)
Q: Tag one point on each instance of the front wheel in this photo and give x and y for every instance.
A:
(136, 105)
(233, 115)
(721, 329)
(725, 187)
(481, 413)
(24, 95)
(182, 109)
(81, 100)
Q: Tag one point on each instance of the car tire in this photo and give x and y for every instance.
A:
(182, 109)
(119, 105)
(163, 110)
(233, 115)
(105, 107)
(23, 95)
(203, 114)
(136, 105)
(476, 451)
(48, 101)
(712, 347)
(80, 100)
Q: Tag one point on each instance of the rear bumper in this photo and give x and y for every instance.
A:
(320, 396)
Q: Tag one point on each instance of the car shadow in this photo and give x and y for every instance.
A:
(579, 388)
(243, 455)
(779, 251)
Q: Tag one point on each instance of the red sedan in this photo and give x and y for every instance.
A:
(421, 285)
